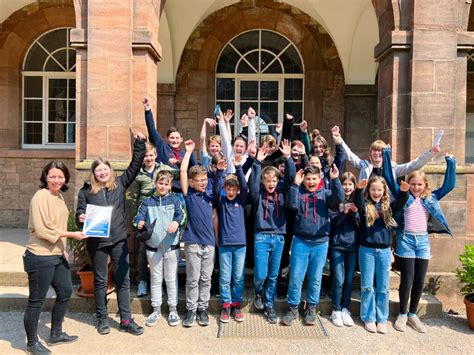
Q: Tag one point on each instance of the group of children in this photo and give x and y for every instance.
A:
(303, 209)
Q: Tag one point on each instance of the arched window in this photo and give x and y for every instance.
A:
(49, 92)
(261, 69)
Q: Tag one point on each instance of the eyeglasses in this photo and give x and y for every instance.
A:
(200, 180)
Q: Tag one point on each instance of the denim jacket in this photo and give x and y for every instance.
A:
(437, 221)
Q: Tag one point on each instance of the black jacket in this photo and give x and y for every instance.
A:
(116, 198)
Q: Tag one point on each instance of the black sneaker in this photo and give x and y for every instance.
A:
(189, 319)
(309, 317)
(103, 326)
(61, 338)
(258, 300)
(131, 327)
(203, 318)
(271, 315)
(37, 348)
(290, 316)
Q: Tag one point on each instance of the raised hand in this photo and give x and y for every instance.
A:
(251, 112)
(140, 135)
(238, 160)
(362, 184)
(173, 227)
(288, 116)
(262, 152)
(173, 161)
(404, 186)
(244, 120)
(278, 128)
(301, 148)
(228, 115)
(316, 132)
(435, 149)
(299, 177)
(333, 172)
(303, 126)
(189, 146)
(336, 135)
(285, 148)
(251, 149)
(211, 122)
(221, 165)
(146, 104)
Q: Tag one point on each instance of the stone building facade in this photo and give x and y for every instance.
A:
(396, 70)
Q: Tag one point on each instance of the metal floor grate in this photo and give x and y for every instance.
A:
(256, 326)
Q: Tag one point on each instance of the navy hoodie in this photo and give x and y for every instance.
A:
(345, 228)
(231, 212)
(270, 208)
(312, 222)
(377, 235)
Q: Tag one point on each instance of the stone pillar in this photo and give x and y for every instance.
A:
(118, 51)
(422, 89)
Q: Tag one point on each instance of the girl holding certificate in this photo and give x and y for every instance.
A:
(105, 189)
(45, 259)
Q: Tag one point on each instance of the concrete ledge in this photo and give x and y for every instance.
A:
(16, 299)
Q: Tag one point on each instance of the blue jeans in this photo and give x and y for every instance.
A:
(374, 302)
(231, 269)
(268, 249)
(306, 258)
(343, 265)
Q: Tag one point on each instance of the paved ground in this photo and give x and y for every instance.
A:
(447, 335)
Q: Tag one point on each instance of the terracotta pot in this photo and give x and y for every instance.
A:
(87, 281)
(469, 311)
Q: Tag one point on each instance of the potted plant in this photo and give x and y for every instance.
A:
(466, 277)
(81, 257)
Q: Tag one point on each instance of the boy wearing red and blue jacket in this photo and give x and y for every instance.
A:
(268, 200)
(232, 241)
(310, 243)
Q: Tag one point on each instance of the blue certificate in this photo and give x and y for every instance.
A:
(97, 223)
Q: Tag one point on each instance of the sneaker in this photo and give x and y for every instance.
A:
(153, 318)
(370, 327)
(131, 327)
(290, 316)
(225, 314)
(37, 348)
(202, 317)
(173, 319)
(346, 318)
(258, 301)
(103, 326)
(237, 312)
(61, 338)
(415, 323)
(336, 318)
(309, 317)
(401, 323)
(188, 321)
(382, 328)
(142, 289)
(271, 315)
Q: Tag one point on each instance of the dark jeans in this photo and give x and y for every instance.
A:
(343, 265)
(142, 263)
(44, 271)
(120, 264)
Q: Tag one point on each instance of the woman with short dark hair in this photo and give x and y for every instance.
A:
(45, 259)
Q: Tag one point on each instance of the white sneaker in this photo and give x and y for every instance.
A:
(346, 318)
(152, 319)
(173, 319)
(336, 317)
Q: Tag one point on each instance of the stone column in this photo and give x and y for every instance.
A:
(118, 51)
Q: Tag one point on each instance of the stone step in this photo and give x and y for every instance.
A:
(16, 298)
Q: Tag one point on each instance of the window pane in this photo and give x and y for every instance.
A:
(273, 42)
(33, 86)
(72, 88)
(35, 58)
(61, 57)
(56, 133)
(293, 89)
(51, 65)
(57, 110)
(246, 42)
(249, 90)
(33, 110)
(265, 59)
(71, 59)
(269, 90)
(57, 88)
(252, 58)
(72, 111)
(295, 109)
(33, 133)
(244, 68)
(291, 61)
(269, 112)
(225, 89)
(228, 60)
(71, 133)
(274, 68)
(54, 40)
